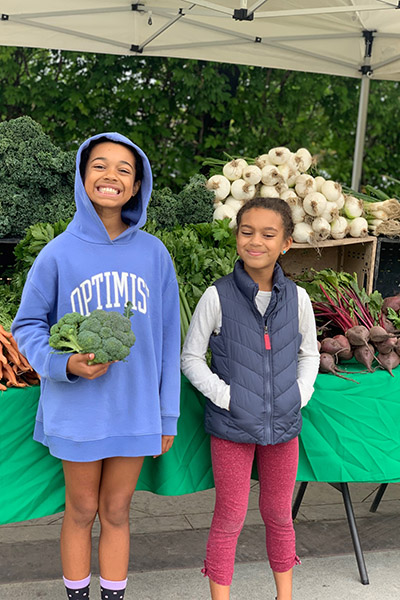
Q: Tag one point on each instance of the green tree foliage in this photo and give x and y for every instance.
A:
(181, 111)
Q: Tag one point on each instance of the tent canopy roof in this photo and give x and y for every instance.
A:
(339, 37)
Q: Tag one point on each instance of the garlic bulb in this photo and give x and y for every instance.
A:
(314, 204)
(339, 227)
(279, 156)
(270, 175)
(319, 180)
(331, 190)
(233, 169)
(289, 194)
(220, 186)
(292, 176)
(298, 213)
(331, 212)
(268, 191)
(262, 161)
(321, 228)
(303, 159)
(358, 227)
(281, 188)
(305, 184)
(340, 201)
(252, 174)
(222, 212)
(241, 190)
(353, 207)
(236, 204)
(302, 233)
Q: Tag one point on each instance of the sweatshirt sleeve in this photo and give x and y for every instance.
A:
(170, 376)
(31, 326)
(206, 319)
(308, 357)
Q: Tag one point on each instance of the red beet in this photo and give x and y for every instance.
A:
(397, 346)
(346, 353)
(389, 361)
(391, 302)
(358, 335)
(386, 346)
(327, 365)
(378, 334)
(365, 356)
(389, 325)
(330, 346)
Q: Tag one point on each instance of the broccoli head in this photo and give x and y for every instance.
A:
(106, 334)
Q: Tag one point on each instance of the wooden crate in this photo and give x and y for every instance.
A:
(353, 255)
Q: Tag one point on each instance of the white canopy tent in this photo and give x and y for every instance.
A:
(352, 38)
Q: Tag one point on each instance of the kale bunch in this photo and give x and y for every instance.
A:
(106, 334)
(193, 204)
(36, 178)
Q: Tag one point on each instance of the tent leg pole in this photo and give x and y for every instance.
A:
(360, 133)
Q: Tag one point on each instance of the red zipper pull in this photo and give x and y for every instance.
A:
(267, 341)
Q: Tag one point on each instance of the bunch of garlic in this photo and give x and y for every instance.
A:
(319, 208)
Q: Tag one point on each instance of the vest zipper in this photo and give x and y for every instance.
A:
(268, 386)
(267, 341)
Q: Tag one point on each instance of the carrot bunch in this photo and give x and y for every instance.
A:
(15, 371)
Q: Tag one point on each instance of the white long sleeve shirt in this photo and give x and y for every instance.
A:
(207, 319)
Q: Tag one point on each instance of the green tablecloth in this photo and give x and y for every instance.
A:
(350, 432)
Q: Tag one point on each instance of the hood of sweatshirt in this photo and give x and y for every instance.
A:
(87, 224)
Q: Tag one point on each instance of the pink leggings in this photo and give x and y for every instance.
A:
(232, 465)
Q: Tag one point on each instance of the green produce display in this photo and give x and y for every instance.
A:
(107, 334)
(36, 178)
(193, 204)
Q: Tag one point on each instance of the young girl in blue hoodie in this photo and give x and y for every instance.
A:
(261, 330)
(101, 420)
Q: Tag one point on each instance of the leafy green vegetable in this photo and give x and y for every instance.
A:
(36, 177)
(393, 316)
(193, 204)
(106, 334)
(202, 252)
(338, 300)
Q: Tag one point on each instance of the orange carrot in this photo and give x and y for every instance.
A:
(5, 332)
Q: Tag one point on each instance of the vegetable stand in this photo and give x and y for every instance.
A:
(350, 434)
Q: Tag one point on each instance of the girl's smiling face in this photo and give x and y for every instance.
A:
(260, 240)
(110, 176)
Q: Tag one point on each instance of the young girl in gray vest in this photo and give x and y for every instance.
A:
(261, 330)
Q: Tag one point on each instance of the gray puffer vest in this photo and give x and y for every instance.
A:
(257, 356)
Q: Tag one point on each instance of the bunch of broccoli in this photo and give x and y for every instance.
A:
(36, 178)
(108, 335)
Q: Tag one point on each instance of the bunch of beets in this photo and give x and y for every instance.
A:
(375, 347)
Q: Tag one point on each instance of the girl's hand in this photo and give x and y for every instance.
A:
(78, 365)
(166, 444)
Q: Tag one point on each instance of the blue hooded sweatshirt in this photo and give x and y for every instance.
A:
(126, 411)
